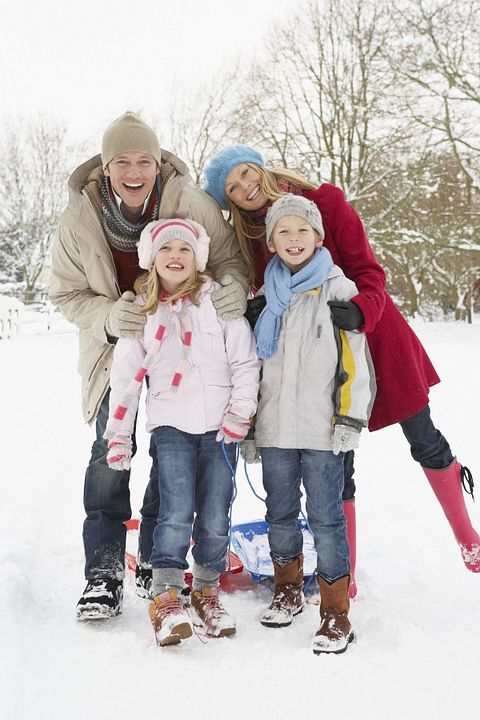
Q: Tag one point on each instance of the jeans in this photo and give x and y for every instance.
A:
(427, 446)
(106, 500)
(194, 480)
(322, 474)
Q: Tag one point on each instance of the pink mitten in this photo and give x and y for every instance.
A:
(119, 452)
(233, 428)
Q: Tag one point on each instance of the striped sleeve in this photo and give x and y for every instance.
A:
(355, 387)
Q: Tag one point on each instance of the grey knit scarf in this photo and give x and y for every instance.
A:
(120, 233)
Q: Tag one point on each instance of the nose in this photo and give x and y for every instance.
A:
(134, 171)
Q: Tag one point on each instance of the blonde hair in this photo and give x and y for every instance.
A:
(245, 230)
(149, 285)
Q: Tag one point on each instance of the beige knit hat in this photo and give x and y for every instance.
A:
(129, 133)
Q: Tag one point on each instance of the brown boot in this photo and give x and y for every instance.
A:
(211, 614)
(335, 630)
(288, 597)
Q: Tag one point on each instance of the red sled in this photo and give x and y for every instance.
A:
(227, 582)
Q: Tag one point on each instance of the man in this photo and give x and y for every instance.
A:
(112, 197)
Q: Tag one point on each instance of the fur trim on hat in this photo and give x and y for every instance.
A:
(220, 164)
(129, 133)
(293, 205)
(157, 233)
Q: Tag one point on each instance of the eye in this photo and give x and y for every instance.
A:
(231, 189)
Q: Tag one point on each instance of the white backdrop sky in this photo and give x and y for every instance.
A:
(87, 62)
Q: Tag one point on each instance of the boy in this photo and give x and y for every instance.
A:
(316, 393)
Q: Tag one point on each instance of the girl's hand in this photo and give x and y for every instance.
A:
(233, 428)
(119, 452)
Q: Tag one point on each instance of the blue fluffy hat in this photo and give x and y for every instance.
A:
(220, 164)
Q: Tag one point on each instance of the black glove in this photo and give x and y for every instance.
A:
(346, 315)
(254, 308)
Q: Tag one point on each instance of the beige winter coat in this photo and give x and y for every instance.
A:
(84, 283)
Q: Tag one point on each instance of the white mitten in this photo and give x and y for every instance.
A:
(233, 428)
(125, 319)
(345, 438)
(230, 301)
(119, 452)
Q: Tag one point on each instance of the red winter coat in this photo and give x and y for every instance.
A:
(403, 369)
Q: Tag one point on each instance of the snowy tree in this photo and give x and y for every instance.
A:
(33, 182)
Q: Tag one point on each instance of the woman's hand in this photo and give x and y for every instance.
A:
(346, 315)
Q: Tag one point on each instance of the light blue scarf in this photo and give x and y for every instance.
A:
(280, 285)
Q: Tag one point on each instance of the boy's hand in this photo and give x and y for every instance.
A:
(345, 438)
(249, 452)
(346, 315)
(119, 452)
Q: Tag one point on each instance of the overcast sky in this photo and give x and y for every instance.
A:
(88, 61)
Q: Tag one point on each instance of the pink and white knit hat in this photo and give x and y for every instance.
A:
(157, 233)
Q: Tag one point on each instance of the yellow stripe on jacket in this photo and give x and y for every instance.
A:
(348, 363)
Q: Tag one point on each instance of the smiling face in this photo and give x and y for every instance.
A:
(295, 241)
(242, 187)
(132, 176)
(174, 263)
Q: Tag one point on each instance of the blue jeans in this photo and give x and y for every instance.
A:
(322, 474)
(194, 479)
(427, 445)
(106, 500)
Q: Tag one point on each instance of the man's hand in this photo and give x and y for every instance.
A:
(125, 319)
(230, 301)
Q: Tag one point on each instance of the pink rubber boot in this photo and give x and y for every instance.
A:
(349, 510)
(447, 486)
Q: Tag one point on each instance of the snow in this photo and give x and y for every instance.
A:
(416, 616)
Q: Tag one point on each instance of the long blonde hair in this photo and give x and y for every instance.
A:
(245, 230)
(149, 285)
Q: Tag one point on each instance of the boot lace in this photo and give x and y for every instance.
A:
(467, 480)
(170, 607)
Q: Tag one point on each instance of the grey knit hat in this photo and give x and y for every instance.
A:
(129, 133)
(293, 205)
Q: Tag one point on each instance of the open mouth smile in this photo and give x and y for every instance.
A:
(175, 266)
(294, 251)
(133, 187)
(254, 193)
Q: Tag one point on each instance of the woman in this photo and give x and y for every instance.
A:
(238, 180)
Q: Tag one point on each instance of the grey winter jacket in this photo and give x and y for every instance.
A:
(84, 282)
(317, 374)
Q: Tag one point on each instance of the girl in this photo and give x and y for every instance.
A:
(238, 180)
(202, 391)
(316, 393)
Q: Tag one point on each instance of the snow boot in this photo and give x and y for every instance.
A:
(101, 599)
(335, 632)
(212, 616)
(349, 510)
(170, 621)
(143, 580)
(288, 599)
(447, 486)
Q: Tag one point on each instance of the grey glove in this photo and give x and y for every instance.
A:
(230, 301)
(249, 452)
(345, 438)
(125, 319)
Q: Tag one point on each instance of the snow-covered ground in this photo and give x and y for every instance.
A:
(417, 615)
